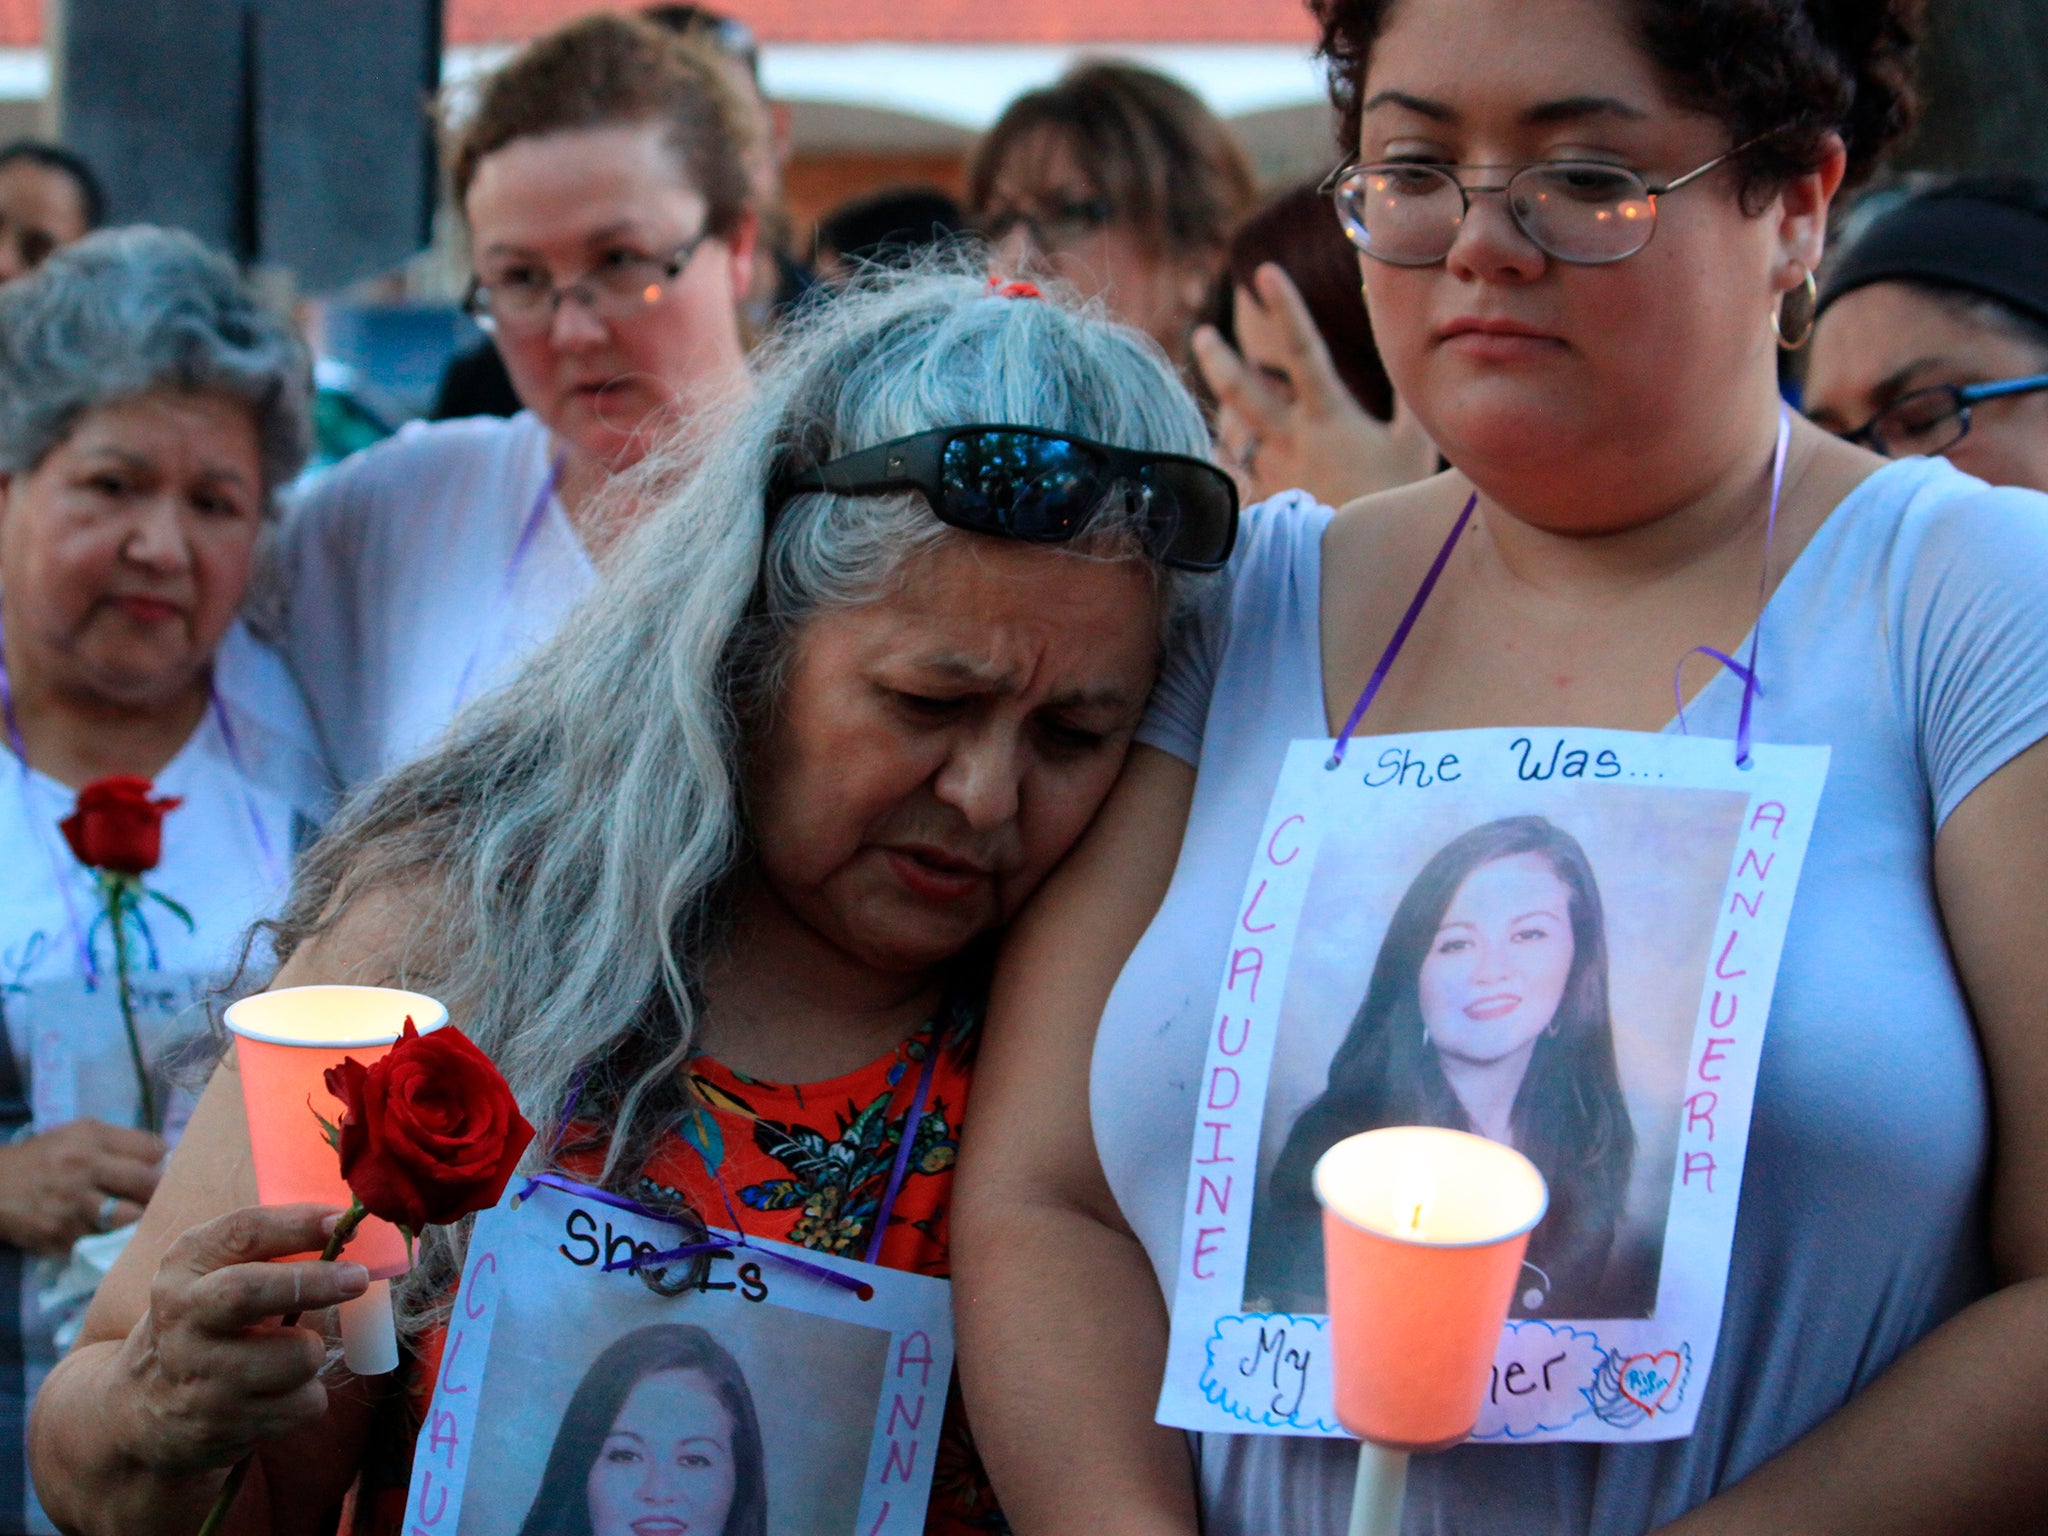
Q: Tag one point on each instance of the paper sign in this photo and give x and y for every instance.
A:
(1566, 940)
(572, 1398)
(79, 1061)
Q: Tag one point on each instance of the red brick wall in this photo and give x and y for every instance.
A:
(938, 21)
(843, 21)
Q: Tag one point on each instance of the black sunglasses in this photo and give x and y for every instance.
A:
(1039, 486)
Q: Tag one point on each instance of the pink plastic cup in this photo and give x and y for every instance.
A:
(1423, 1236)
(284, 1043)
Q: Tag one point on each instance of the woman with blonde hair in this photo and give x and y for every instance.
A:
(602, 179)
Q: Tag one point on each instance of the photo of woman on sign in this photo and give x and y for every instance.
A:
(1487, 1011)
(660, 1439)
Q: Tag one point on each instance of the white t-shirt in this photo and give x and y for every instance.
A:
(1911, 638)
(255, 789)
(416, 575)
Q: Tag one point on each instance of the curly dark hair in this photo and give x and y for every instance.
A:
(1805, 68)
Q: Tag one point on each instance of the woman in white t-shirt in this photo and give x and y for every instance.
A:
(604, 183)
(148, 408)
(1577, 239)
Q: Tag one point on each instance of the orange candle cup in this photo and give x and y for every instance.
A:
(1423, 1236)
(284, 1043)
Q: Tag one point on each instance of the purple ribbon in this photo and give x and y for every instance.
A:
(626, 1203)
(901, 1170)
(1752, 683)
(1752, 686)
(1386, 662)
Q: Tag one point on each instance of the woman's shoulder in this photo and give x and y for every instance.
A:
(1279, 541)
(1913, 510)
(267, 715)
(1935, 549)
(1953, 575)
(425, 462)
(1274, 532)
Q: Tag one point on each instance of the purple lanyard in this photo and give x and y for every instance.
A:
(898, 1173)
(528, 532)
(1751, 687)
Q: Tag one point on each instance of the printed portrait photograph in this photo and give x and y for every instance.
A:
(697, 1415)
(1525, 965)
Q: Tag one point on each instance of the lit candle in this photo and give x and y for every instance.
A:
(284, 1043)
(1423, 1235)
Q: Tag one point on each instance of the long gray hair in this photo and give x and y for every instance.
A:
(572, 844)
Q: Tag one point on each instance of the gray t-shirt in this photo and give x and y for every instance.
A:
(1911, 637)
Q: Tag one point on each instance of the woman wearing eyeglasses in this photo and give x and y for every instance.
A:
(604, 186)
(1578, 238)
(1121, 184)
(715, 876)
(1933, 332)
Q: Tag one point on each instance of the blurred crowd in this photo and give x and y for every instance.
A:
(182, 600)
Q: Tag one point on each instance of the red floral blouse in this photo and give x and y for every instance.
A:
(802, 1163)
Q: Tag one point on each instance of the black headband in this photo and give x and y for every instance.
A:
(1987, 248)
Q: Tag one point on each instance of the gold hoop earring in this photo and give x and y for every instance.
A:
(1811, 292)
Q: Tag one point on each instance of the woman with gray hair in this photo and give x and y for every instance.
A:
(149, 408)
(724, 855)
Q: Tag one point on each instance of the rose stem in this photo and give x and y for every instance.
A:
(117, 919)
(344, 1229)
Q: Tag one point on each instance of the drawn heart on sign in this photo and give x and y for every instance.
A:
(1646, 1380)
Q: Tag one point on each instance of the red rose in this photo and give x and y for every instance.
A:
(430, 1132)
(117, 826)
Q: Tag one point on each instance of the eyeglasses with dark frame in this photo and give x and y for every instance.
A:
(619, 287)
(1059, 223)
(1407, 213)
(1038, 486)
(1932, 421)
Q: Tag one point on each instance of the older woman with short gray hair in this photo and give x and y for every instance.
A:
(722, 858)
(149, 409)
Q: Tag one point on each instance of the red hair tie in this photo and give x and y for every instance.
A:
(1011, 289)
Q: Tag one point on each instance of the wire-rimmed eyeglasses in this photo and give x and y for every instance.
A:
(1932, 421)
(1588, 212)
(618, 287)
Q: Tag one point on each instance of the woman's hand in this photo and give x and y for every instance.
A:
(1289, 422)
(209, 1372)
(54, 1186)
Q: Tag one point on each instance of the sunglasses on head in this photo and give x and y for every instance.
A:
(1038, 486)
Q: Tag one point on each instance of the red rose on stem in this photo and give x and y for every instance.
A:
(430, 1132)
(117, 825)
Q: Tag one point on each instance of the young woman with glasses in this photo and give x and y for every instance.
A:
(1932, 336)
(604, 185)
(1580, 225)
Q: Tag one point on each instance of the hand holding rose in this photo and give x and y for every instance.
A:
(210, 1372)
(428, 1134)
